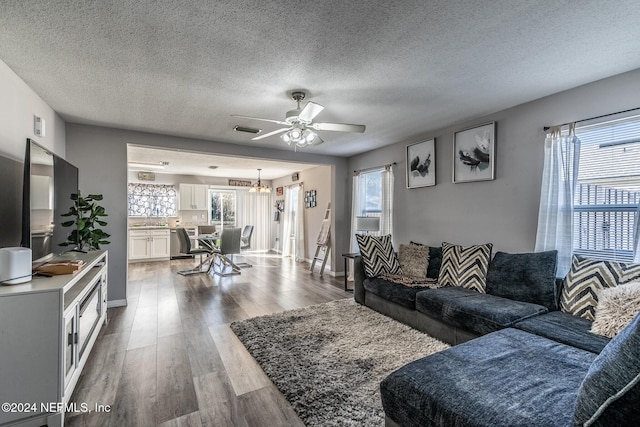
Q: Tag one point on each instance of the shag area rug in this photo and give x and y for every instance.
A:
(329, 359)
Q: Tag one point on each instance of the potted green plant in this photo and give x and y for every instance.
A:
(87, 213)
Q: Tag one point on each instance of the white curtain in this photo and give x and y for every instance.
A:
(288, 224)
(559, 177)
(255, 209)
(293, 234)
(357, 200)
(300, 242)
(386, 217)
(636, 238)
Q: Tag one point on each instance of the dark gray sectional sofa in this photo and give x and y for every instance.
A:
(516, 360)
(522, 292)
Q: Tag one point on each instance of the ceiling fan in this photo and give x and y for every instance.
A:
(299, 124)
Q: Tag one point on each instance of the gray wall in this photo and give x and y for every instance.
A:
(101, 155)
(18, 104)
(503, 211)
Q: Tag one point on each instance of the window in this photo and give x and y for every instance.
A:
(373, 196)
(607, 193)
(151, 200)
(372, 203)
(223, 208)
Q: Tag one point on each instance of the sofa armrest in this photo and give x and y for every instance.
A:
(358, 280)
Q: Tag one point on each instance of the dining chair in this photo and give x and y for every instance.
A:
(185, 248)
(245, 240)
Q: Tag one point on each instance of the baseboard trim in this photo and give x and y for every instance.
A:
(334, 273)
(116, 303)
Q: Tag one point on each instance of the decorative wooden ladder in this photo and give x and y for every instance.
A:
(324, 241)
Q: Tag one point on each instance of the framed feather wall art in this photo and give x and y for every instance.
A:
(421, 164)
(474, 154)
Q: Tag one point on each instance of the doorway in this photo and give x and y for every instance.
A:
(222, 208)
(293, 235)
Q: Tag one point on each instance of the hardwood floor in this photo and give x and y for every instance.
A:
(169, 357)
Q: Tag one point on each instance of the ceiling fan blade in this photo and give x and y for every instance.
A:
(280, 122)
(339, 127)
(266, 135)
(310, 111)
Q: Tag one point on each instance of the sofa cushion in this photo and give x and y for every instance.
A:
(587, 277)
(616, 308)
(610, 392)
(507, 378)
(474, 312)
(465, 267)
(528, 277)
(566, 329)
(378, 256)
(394, 292)
(414, 260)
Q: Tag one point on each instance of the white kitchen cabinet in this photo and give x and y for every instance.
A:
(193, 197)
(149, 244)
(139, 245)
(160, 244)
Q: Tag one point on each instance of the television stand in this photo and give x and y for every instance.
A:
(47, 329)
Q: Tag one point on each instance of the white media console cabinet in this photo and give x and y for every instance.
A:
(47, 329)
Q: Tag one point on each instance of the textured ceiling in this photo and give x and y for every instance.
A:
(402, 68)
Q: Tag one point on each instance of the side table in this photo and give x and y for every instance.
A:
(347, 256)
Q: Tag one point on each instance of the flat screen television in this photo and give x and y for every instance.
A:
(49, 182)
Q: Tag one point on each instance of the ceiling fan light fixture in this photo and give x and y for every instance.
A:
(301, 137)
(308, 136)
(293, 136)
(300, 127)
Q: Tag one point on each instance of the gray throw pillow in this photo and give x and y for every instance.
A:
(610, 392)
(527, 277)
(414, 260)
(616, 308)
(435, 260)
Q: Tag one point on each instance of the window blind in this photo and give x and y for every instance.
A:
(608, 190)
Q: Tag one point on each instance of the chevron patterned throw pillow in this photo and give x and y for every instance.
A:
(465, 267)
(378, 256)
(587, 277)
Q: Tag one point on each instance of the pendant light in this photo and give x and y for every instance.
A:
(258, 187)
